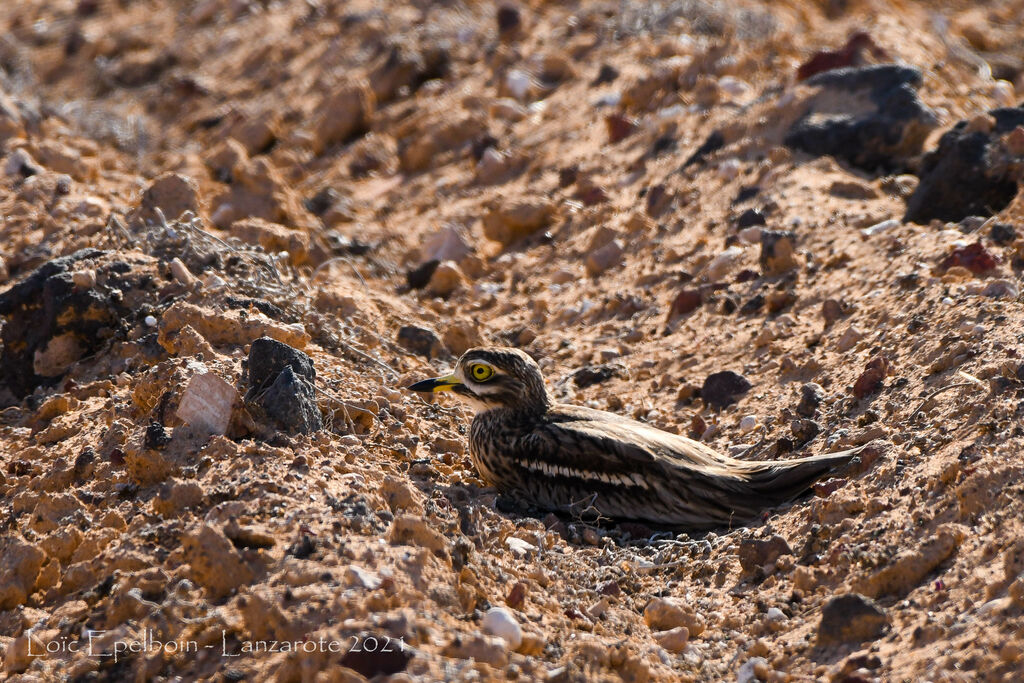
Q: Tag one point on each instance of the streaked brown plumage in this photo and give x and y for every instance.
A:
(561, 457)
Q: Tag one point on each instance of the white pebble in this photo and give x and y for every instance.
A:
(723, 263)
(150, 321)
(880, 227)
(775, 614)
(214, 281)
(729, 169)
(518, 83)
(748, 423)
(733, 86)
(611, 99)
(499, 622)
(946, 300)
(1003, 93)
(749, 672)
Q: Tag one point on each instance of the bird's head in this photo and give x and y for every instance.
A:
(495, 377)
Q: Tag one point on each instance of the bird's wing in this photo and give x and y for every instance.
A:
(633, 443)
(702, 491)
(705, 487)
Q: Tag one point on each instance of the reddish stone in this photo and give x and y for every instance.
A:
(516, 595)
(870, 381)
(823, 489)
(851, 54)
(591, 195)
(697, 426)
(974, 257)
(619, 126)
(685, 302)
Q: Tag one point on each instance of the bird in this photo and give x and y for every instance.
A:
(565, 458)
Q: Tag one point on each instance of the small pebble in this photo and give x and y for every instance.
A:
(181, 273)
(724, 262)
(751, 235)
(86, 279)
(753, 670)
(500, 622)
(673, 640)
(729, 169)
(733, 86)
(880, 227)
(748, 423)
(600, 260)
(849, 339)
(150, 321)
(1003, 93)
(518, 83)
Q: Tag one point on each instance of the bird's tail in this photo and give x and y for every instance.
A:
(783, 480)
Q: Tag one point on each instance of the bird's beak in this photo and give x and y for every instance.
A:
(427, 386)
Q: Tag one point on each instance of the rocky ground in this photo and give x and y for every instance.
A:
(234, 230)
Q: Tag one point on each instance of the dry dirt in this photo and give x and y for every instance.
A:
(327, 149)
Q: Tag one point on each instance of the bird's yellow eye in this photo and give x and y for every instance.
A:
(481, 372)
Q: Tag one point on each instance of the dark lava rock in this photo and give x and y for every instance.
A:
(406, 68)
(49, 323)
(746, 193)
(851, 618)
(22, 164)
(291, 403)
(804, 430)
(606, 74)
(509, 21)
(421, 341)
(280, 382)
(568, 175)
(323, 200)
(969, 173)
(869, 117)
(1002, 233)
(811, 396)
(712, 144)
(595, 374)
(755, 553)
(777, 251)
(752, 305)
(663, 143)
(268, 357)
(723, 388)
(156, 436)
(84, 463)
(343, 244)
(749, 218)
(747, 275)
(419, 277)
(268, 309)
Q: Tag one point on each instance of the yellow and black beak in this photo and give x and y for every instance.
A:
(427, 386)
